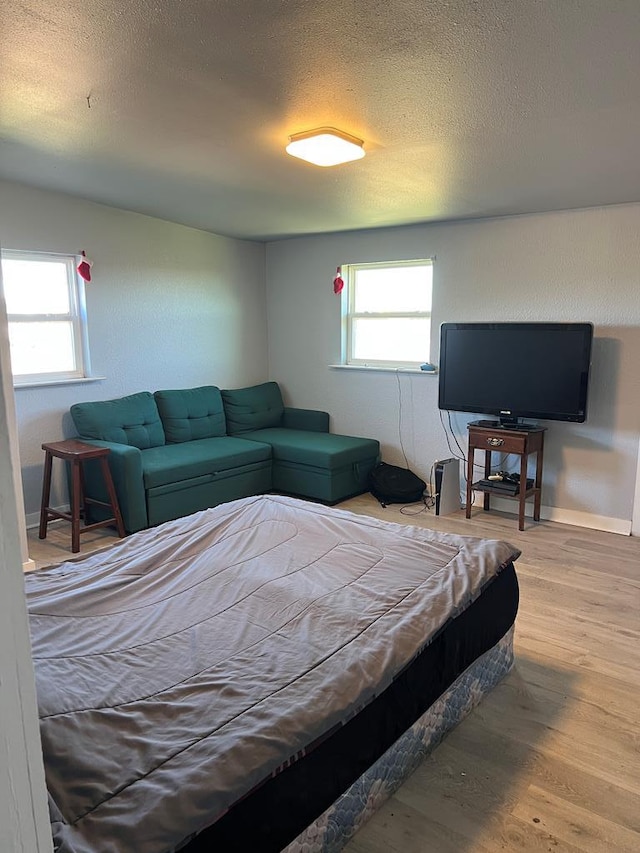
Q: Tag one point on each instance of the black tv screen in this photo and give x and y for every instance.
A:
(516, 370)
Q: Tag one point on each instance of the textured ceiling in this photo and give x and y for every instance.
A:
(182, 108)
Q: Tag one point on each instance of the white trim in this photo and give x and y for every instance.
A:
(24, 822)
(33, 518)
(383, 369)
(75, 317)
(621, 526)
(635, 517)
(51, 382)
(561, 516)
(12, 424)
(349, 314)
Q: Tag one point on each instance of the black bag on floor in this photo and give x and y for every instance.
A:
(393, 485)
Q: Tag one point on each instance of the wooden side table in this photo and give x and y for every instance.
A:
(504, 440)
(76, 453)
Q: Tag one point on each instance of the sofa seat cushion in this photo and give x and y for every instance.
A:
(318, 449)
(257, 407)
(191, 413)
(132, 420)
(175, 462)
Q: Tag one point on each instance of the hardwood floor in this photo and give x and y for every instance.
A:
(549, 761)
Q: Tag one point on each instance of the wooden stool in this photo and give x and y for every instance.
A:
(76, 452)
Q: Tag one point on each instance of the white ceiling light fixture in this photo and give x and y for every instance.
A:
(325, 146)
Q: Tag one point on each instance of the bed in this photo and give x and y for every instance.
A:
(259, 676)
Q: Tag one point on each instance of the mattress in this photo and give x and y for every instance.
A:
(188, 666)
(336, 825)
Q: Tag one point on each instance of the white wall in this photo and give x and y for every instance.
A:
(24, 824)
(171, 306)
(6, 379)
(168, 307)
(567, 266)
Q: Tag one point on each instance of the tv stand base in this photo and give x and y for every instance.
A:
(510, 440)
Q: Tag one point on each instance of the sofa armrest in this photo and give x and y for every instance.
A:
(309, 419)
(125, 464)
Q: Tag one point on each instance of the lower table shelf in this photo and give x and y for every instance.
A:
(509, 490)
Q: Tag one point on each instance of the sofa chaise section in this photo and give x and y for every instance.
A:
(308, 460)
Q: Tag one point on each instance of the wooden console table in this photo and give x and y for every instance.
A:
(519, 442)
(76, 453)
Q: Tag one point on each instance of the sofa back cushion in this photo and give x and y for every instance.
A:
(191, 413)
(252, 408)
(132, 420)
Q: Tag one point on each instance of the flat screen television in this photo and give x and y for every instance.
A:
(516, 370)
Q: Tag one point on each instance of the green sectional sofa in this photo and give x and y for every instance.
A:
(179, 451)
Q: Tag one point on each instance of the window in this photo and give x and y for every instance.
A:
(387, 313)
(44, 297)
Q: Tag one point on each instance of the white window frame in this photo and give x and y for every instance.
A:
(77, 316)
(349, 272)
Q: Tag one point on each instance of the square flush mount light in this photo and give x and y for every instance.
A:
(325, 146)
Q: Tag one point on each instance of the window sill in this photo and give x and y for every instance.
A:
(383, 369)
(48, 383)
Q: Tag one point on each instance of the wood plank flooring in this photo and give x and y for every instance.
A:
(550, 760)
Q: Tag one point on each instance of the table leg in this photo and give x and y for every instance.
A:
(469, 480)
(523, 490)
(538, 484)
(75, 506)
(113, 498)
(46, 490)
(487, 471)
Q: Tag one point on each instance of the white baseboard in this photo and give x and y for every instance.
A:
(33, 518)
(562, 516)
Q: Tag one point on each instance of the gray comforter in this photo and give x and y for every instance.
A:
(176, 670)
